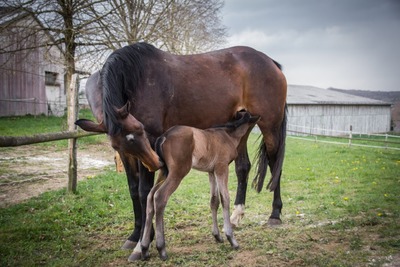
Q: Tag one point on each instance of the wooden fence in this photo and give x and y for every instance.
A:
(72, 135)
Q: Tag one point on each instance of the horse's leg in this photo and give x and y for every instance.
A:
(273, 153)
(277, 205)
(242, 168)
(146, 239)
(214, 204)
(131, 170)
(146, 181)
(222, 174)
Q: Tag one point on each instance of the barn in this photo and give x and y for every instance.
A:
(313, 110)
(31, 72)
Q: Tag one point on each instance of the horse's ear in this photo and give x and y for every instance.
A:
(91, 126)
(124, 111)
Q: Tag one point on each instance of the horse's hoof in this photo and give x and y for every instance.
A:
(135, 256)
(129, 245)
(273, 222)
(145, 254)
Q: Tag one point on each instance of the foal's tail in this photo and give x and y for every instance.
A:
(275, 163)
(158, 148)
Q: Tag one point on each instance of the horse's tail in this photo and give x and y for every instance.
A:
(158, 148)
(276, 164)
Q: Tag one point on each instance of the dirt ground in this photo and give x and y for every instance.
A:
(28, 171)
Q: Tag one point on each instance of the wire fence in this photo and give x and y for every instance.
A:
(349, 138)
(54, 107)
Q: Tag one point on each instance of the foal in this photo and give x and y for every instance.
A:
(211, 150)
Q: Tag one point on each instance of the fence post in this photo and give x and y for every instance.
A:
(72, 108)
(350, 134)
(386, 139)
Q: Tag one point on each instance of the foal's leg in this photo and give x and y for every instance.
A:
(146, 239)
(222, 181)
(242, 168)
(214, 204)
(161, 197)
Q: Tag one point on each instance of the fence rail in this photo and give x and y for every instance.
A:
(371, 140)
(9, 141)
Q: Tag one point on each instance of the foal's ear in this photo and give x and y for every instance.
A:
(91, 126)
(240, 114)
(254, 119)
(124, 111)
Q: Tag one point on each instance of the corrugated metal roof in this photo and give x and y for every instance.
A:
(303, 94)
(9, 15)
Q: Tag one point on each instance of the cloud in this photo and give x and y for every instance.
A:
(348, 44)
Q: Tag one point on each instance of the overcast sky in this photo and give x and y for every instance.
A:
(347, 44)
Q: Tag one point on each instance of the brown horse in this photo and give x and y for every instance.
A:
(182, 148)
(194, 90)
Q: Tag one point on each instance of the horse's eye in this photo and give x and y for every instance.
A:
(130, 137)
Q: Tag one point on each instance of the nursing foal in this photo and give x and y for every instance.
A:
(182, 148)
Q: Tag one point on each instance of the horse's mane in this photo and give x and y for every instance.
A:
(121, 75)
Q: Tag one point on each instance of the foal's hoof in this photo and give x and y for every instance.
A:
(218, 238)
(135, 256)
(129, 245)
(273, 222)
(233, 242)
(163, 254)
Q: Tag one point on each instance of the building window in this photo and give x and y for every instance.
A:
(51, 78)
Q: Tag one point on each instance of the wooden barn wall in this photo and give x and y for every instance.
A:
(336, 119)
(22, 74)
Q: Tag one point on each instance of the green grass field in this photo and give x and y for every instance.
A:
(341, 208)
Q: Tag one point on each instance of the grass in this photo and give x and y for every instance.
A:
(341, 208)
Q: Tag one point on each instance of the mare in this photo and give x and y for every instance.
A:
(182, 148)
(142, 91)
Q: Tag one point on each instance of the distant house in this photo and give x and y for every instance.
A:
(31, 73)
(321, 111)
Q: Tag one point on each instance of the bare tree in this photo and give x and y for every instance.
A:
(88, 30)
(193, 26)
(179, 26)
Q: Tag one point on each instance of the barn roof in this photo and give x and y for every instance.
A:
(9, 15)
(310, 95)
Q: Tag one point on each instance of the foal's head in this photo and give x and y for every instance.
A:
(241, 124)
(130, 139)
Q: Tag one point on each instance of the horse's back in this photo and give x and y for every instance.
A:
(213, 86)
(94, 95)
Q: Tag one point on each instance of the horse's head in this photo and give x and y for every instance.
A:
(132, 139)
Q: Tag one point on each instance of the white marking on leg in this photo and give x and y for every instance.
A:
(138, 248)
(237, 215)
